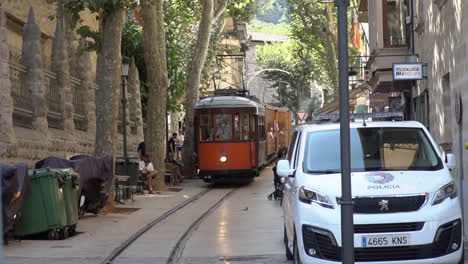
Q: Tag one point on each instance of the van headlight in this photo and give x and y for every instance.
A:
(309, 196)
(449, 190)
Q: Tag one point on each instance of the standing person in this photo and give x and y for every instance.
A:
(171, 144)
(179, 143)
(147, 171)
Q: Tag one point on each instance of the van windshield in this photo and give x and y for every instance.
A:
(372, 149)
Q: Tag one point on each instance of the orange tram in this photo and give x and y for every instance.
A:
(236, 136)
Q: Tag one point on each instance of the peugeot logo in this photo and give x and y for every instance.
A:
(383, 205)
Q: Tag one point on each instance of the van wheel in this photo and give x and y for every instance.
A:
(289, 255)
(297, 257)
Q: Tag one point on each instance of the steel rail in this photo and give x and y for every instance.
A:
(124, 245)
(178, 249)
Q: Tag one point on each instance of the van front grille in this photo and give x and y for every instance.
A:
(383, 205)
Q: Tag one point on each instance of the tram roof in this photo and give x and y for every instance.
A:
(229, 102)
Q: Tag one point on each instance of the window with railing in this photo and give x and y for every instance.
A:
(396, 30)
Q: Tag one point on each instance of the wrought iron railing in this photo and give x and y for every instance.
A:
(52, 92)
(22, 99)
(54, 100)
(79, 98)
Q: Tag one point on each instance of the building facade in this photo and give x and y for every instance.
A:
(434, 33)
(47, 86)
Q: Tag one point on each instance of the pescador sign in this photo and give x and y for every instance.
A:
(408, 71)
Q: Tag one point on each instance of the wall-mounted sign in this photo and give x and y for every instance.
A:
(408, 71)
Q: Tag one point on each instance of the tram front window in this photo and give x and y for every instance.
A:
(223, 124)
(205, 128)
(241, 127)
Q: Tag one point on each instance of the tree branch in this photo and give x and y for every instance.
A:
(219, 9)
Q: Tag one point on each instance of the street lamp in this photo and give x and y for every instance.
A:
(125, 68)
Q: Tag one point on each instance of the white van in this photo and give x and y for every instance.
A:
(406, 204)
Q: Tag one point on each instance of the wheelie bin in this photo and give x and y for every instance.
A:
(70, 195)
(44, 210)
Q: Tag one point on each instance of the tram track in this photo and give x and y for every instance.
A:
(124, 245)
(178, 249)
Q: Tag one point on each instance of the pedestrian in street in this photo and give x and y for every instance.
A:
(147, 171)
(179, 143)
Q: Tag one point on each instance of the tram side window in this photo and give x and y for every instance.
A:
(223, 126)
(252, 127)
(261, 128)
(205, 128)
(237, 127)
(245, 126)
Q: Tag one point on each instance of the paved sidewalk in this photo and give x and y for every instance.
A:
(99, 235)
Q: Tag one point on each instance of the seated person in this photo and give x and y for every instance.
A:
(177, 167)
(147, 171)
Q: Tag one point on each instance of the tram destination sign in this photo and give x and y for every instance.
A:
(408, 71)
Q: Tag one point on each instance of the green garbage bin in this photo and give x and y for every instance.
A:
(70, 195)
(44, 209)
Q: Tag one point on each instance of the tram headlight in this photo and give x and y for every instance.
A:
(223, 159)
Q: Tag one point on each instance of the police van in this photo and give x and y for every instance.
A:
(406, 203)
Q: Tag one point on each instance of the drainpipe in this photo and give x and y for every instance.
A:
(412, 26)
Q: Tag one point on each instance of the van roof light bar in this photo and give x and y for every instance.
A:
(395, 116)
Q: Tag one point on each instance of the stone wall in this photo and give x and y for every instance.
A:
(46, 111)
(18, 10)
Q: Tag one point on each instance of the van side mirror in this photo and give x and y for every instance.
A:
(450, 161)
(283, 169)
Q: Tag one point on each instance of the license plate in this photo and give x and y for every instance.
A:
(386, 240)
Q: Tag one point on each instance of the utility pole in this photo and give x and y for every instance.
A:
(347, 228)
